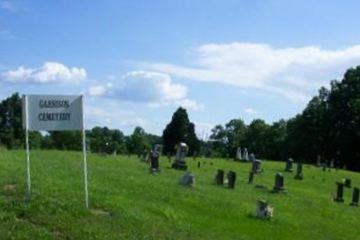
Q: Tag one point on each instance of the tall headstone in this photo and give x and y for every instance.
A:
(355, 197)
(246, 155)
(299, 171)
(289, 165)
(279, 183)
(238, 154)
(219, 178)
(231, 177)
(339, 192)
(256, 166)
(154, 160)
(181, 151)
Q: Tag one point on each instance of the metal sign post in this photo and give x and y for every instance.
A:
(26, 112)
(54, 113)
(85, 160)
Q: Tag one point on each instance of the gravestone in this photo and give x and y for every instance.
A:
(238, 154)
(318, 161)
(289, 165)
(263, 210)
(251, 177)
(198, 164)
(339, 192)
(188, 179)
(256, 166)
(219, 178)
(355, 197)
(299, 174)
(331, 164)
(279, 183)
(252, 157)
(181, 151)
(231, 177)
(246, 155)
(154, 160)
(347, 183)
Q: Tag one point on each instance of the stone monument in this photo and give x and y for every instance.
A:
(339, 192)
(238, 156)
(219, 178)
(188, 179)
(263, 210)
(279, 183)
(154, 159)
(289, 165)
(256, 166)
(355, 197)
(231, 177)
(181, 151)
(299, 171)
(246, 155)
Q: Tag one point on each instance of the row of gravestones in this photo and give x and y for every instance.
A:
(244, 155)
(189, 179)
(299, 168)
(346, 183)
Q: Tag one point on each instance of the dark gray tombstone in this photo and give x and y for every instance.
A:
(256, 166)
(188, 179)
(219, 178)
(154, 161)
(279, 183)
(299, 171)
(347, 183)
(180, 163)
(198, 164)
(231, 177)
(289, 165)
(251, 177)
(339, 192)
(355, 197)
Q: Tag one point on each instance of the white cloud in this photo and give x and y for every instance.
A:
(49, 72)
(154, 88)
(8, 6)
(250, 111)
(294, 73)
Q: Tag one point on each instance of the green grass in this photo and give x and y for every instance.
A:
(129, 203)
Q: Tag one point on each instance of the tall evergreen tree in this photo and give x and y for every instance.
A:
(180, 129)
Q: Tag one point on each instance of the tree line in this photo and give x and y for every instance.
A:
(329, 128)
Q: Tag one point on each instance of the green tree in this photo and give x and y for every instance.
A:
(11, 131)
(180, 129)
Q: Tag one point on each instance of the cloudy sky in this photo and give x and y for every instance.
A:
(138, 61)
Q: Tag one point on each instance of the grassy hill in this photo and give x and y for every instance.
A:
(129, 203)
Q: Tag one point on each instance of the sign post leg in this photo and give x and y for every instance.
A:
(28, 195)
(85, 162)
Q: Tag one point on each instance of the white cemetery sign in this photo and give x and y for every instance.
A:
(54, 113)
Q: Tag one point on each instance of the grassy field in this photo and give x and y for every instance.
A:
(129, 203)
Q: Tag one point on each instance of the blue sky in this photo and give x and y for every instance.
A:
(137, 61)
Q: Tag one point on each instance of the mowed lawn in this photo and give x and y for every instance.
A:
(126, 202)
